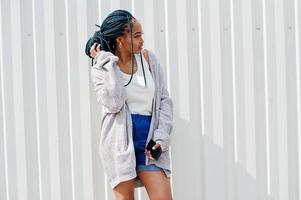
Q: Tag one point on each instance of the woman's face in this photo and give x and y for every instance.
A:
(125, 40)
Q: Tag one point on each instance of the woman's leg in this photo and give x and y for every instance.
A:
(156, 184)
(125, 190)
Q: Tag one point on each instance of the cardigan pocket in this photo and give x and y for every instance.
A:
(122, 140)
(126, 159)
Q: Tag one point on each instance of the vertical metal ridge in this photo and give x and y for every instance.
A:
(296, 13)
(234, 80)
(52, 104)
(18, 94)
(69, 99)
(133, 7)
(36, 99)
(3, 109)
(201, 68)
(266, 89)
(167, 46)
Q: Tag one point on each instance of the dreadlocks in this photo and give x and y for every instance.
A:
(112, 27)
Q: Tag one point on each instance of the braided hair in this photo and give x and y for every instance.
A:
(112, 27)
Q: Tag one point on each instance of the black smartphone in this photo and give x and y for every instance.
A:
(155, 153)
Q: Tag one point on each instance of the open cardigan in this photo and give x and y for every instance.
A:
(116, 147)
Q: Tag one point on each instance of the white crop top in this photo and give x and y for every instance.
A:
(139, 96)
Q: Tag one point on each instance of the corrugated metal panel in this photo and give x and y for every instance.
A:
(233, 71)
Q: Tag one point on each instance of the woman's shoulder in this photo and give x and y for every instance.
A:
(148, 54)
(145, 54)
(151, 58)
(154, 63)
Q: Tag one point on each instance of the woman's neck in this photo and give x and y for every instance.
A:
(124, 58)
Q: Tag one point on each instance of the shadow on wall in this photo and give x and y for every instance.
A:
(199, 167)
(246, 185)
(207, 177)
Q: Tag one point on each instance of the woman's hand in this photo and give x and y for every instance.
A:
(94, 50)
(148, 153)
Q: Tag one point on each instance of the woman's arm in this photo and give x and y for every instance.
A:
(163, 132)
(109, 90)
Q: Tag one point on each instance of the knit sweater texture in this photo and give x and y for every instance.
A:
(116, 147)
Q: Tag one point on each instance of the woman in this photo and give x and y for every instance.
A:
(136, 108)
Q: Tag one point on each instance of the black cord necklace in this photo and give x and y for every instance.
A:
(132, 55)
(143, 69)
(132, 58)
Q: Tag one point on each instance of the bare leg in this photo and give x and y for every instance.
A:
(125, 190)
(156, 184)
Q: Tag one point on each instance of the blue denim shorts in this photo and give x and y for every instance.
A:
(140, 168)
(141, 125)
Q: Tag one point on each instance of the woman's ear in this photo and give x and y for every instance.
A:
(118, 40)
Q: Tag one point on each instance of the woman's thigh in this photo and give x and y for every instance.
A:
(157, 184)
(125, 190)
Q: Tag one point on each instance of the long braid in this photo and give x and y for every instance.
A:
(132, 55)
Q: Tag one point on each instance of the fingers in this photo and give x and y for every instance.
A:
(149, 155)
(92, 47)
(98, 48)
(95, 48)
(156, 146)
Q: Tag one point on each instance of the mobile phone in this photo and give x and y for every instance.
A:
(155, 153)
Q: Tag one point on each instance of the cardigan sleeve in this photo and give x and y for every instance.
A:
(163, 133)
(109, 90)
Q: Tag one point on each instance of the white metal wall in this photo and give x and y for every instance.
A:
(233, 71)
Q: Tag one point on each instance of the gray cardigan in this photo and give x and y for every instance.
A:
(116, 147)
